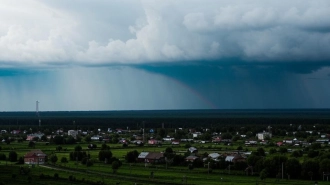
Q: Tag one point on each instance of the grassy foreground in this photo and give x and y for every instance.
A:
(127, 174)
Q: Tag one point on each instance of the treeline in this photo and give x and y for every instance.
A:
(169, 122)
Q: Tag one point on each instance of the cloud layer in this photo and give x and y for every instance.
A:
(38, 33)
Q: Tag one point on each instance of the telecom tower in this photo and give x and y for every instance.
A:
(37, 112)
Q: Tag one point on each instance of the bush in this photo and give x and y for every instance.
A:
(187, 145)
(64, 160)
(41, 176)
(58, 148)
(3, 156)
(20, 160)
(77, 148)
(56, 176)
(12, 156)
(105, 154)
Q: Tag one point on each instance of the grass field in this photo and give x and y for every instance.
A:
(129, 174)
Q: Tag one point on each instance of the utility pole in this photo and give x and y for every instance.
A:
(282, 170)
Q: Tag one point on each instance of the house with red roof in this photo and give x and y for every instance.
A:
(35, 157)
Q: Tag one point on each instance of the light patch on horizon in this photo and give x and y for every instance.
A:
(95, 89)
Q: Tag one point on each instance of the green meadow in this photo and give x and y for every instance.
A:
(74, 172)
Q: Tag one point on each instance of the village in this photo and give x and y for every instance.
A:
(237, 152)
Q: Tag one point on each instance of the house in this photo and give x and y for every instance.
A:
(288, 141)
(214, 156)
(250, 142)
(196, 134)
(35, 157)
(193, 150)
(96, 138)
(264, 135)
(3, 131)
(216, 139)
(322, 141)
(151, 157)
(15, 131)
(186, 140)
(168, 138)
(191, 158)
(175, 142)
(235, 158)
(32, 136)
(154, 142)
(279, 143)
(72, 133)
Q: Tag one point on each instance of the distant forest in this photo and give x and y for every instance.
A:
(222, 119)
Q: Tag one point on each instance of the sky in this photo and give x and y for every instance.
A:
(164, 54)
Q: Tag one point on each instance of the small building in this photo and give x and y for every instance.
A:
(154, 142)
(35, 157)
(96, 138)
(264, 135)
(250, 142)
(216, 139)
(193, 150)
(151, 157)
(235, 158)
(72, 133)
(175, 142)
(168, 138)
(288, 141)
(191, 158)
(214, 156)
(280, 143)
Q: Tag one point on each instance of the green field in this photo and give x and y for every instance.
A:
(100, 173)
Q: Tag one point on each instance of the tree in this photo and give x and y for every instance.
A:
(105, 147)
(283, 150)
(312, 153)
(263, 174)
(88, 138)
(3, 156)
(310, 165)
(58, 148)
(325, 165)
(70, 140)
(105, 154)
(64, 160)
(161, 132)
(115, 166)
(12, 157)
(311, 139)
(53, 158)
(297, 153)
(226, 135)
(260, 152)
(58, 140)
(32, 144)
(293, 167)
(43, 138)
(77, 148)
(131, 156)
(74, 156)
(272, 151)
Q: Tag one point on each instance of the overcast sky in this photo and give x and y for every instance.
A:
(166, 54)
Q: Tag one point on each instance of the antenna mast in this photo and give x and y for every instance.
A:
(37, 112)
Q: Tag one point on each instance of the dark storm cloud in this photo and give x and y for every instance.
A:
(136, 32)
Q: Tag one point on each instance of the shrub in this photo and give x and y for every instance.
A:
(20, 160)
(56, 176)
(3, 156)
(12, 156)
(77, 148)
